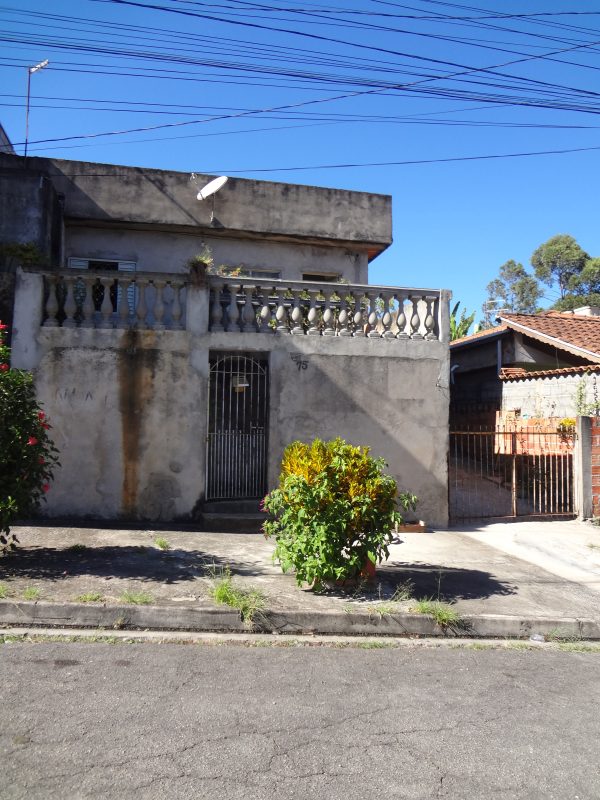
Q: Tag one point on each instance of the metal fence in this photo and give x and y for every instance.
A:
(510, 473)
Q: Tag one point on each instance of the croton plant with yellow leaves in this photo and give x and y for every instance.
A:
(334, 509)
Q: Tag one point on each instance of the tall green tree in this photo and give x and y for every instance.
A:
(584, 288)
(514, 290)
(558, 261)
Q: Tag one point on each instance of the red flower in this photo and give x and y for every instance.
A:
(4, 367)
(41, 460)
(32, 441)
(46, 487)
(41, 415)
(3, 327)
(45, 426)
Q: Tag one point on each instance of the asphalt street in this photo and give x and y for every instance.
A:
(205, 721)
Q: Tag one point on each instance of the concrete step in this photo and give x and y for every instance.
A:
(232, 523)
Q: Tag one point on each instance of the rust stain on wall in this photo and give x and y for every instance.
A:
(136, 376)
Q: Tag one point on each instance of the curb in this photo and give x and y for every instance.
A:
(193, 618)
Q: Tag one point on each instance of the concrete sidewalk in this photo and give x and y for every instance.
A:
(520, 577)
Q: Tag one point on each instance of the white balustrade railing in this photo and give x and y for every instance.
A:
(144, 300)
(299, 308)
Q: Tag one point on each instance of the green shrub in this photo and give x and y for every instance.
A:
(334, 510)
(27, 455)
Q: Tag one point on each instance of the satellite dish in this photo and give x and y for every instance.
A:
(212, 187)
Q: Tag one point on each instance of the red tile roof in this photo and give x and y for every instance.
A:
(507, 374)
(480, 334)
(568, 331)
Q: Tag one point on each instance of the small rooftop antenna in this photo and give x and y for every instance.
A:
(210, 190)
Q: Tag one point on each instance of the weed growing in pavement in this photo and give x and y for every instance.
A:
(90, 597)
(76, 548)
(249, 602)
(443, 613)
(559, 635)
(579, 647)
(136, 598)
(162, 543)
(4, 591)
(31, 593)
(374, 645)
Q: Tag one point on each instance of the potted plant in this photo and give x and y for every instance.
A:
(333, 513)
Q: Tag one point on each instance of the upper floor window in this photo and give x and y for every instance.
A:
(320, 277)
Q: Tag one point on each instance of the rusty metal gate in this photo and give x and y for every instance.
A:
(238, 402)
(510, 473)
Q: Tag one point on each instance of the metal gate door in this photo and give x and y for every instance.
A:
(501, 473)
(238, 402)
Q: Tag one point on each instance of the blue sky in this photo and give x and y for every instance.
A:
(437, 85)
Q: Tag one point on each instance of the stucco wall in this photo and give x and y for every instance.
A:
(551, 396)
(129, 413)
(169, 252)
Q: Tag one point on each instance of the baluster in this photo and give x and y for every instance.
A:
(281, 314)
(176, 309)
(87, 306)
(415, 320)
(248, 316)
(141, 311)
(216, 308)
(297, 327)
(233, 311)
(158, 311)
(328, 317)
(387, 319)
(123, 302)
(429, 319)
(266, 315)
(357, 317)
(70, 306)
(344, 317)
(106, 307)
(313, 314)
(373, 316)
(401, 319)
(51, 304)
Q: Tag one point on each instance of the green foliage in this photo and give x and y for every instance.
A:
(136, 598)
(513, 290)
(90, 597)
(582, 407)
(443, 613)
(248, 602)
(333, 511)
(31, 593)
(459, 326)
(559, 260)
(14, 254)
(162, 543)
(27, 454)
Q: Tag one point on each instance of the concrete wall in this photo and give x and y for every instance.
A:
(159, 251)
(129, 409)
(109, 194)
(549, 397)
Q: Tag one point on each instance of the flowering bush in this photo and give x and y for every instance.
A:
(27, 455)
(335, 508)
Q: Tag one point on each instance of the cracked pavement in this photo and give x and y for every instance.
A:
(191, 721)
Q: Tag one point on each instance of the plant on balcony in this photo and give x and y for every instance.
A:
(334, 511)
(27, 454)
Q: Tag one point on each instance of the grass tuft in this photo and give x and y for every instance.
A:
(76, 548)
(136, 598)
(162, 543)
(248, 602)
(31, 593)
(579, 647)
(90, 597)
(443, 613)
(4, 591)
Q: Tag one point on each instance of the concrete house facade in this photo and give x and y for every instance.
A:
(172, 390)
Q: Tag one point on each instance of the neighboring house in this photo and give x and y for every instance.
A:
(172, 392)
(5, 143)
(487, 366)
